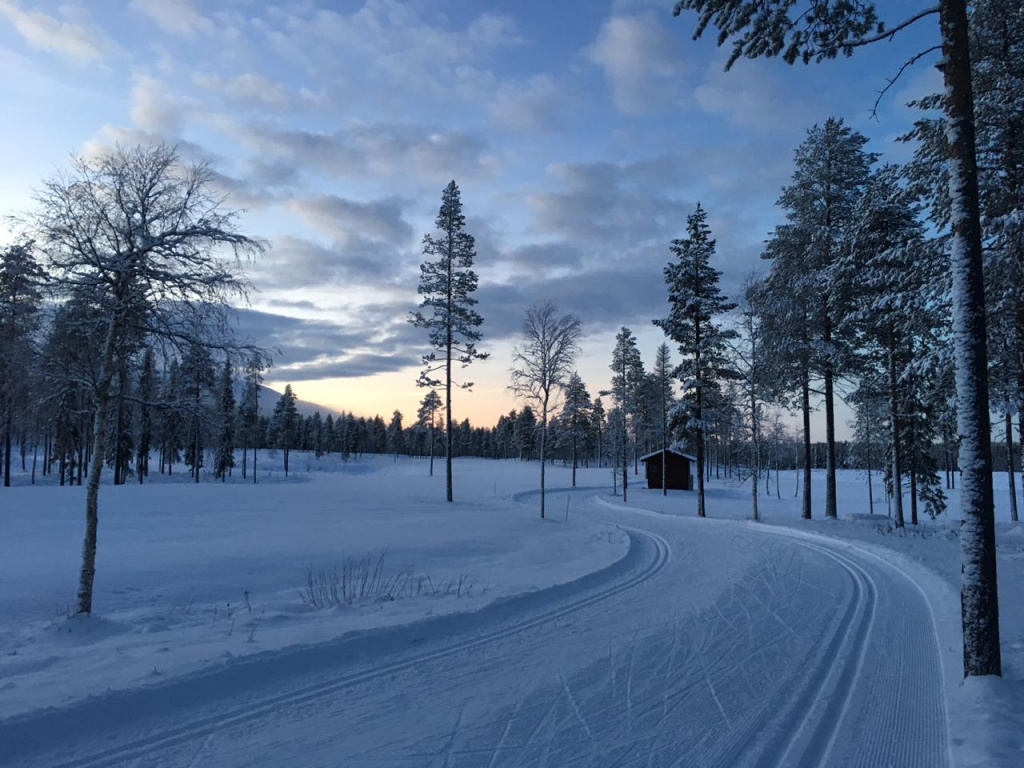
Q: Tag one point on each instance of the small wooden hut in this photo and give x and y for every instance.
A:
(679, 468)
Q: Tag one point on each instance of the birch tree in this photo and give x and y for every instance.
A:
(139, 235)
(541, 364)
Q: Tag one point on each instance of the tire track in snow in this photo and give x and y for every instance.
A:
(139, 749)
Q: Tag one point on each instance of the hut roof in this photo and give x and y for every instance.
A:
(650, 456)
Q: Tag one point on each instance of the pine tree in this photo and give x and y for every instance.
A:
(395, 435)
(447, 285)
(694, 303)
(779, 27)
(197, 377)
(249, 409)
(627, 379)
(20, 297)
(285, 421)
(426, 415)
(662, 386)
(831, 170)
(147, 395)
(226, 443)
(576, 416)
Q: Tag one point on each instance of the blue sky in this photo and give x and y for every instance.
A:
(581, 132)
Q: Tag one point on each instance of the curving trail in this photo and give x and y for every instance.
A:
(712, 644)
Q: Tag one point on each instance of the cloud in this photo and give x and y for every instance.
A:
(493, 29)
(379, 150)
(347, 219)
(246, 90)
(641, 63)
(375, 340)
(537, 105)
(153, 110)
(294, 262)
(177, 17)
(612, 206)
(74, 40)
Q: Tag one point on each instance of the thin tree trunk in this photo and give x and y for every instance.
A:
(831, 508)
(87, 576)
(806, 406)
(543, 454)
(1010, 470)
(894, 434)
(979, 596)
(699, 418)
(7, 448)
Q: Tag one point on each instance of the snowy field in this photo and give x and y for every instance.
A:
(191, 575)
(671, 640)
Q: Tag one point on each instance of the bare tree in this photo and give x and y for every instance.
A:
(541, 363)
(138, 235)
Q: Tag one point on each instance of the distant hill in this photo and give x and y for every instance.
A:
(269, 398)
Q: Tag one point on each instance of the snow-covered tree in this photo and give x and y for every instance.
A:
(662, 386)
(395, 434)
(225, 459)
(20, 282)
(447, 311)
(541, 363)
(758, 28)
(695, 303)
(627, 378)
(427, 416)
(197, 377)
(286, 423)
(142, 237)
(576, 416)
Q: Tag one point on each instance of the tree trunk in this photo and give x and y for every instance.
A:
(543, 450)
(806, 407)
(979, 596)
(7, 448)
(699, 418)
(92, 492)
(755, 480)
(431, 445)
(894, 434)
(1010, 470)
(574, 455)
(831, 508)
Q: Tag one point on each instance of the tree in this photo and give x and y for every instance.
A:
(447, 285)
(426, 414)
(20, 282)
(748, 362)
(694, 302)
(526, 433)
(394, 435)
(141, 236)
(627, 378)
(249, 408)
(662, 381)
(197, 376)
(761, 28)
(576, 415)
(147, 393)
(541, 363)
(225, 460)
(285, 421)
(831, 170)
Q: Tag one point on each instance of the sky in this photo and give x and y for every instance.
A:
(580, 132)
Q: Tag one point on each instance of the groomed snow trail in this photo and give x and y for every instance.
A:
(712, 644)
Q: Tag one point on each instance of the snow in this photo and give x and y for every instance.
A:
(710, 642)
(177, 562)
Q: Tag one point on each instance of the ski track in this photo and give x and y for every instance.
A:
(808, 654)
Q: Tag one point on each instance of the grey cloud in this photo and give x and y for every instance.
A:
(350, 367)
(295, 262)
(341, 218)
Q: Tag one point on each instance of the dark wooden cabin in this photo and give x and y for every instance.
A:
(679, 468)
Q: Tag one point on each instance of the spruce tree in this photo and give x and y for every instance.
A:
(627, 379)
(225, 460)
(447, 311)
(695, 303)
(285, 421)
(576, 416)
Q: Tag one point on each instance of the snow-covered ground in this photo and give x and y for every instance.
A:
(717, 642)
(192, 575)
